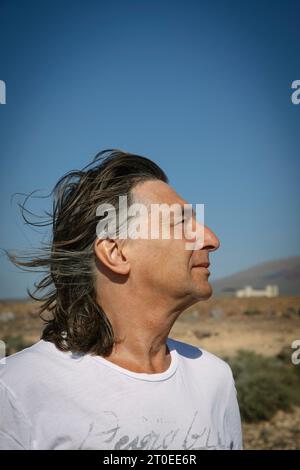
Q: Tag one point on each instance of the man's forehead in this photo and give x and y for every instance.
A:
(157, 192)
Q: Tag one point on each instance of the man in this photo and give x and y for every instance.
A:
(106, 374)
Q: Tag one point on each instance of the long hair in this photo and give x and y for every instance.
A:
(77, 322)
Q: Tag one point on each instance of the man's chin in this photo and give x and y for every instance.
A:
(204, 292)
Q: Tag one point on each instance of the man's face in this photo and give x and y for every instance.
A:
(165, 266)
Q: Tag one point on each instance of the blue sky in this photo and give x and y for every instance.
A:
(201, 87)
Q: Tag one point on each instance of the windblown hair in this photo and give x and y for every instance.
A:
(67, 292)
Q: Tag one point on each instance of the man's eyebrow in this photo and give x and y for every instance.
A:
(190, 205)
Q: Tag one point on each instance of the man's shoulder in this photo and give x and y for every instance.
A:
(39, 348)
(199, 357)
(25, 363)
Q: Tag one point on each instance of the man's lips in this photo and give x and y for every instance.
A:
(202, 265)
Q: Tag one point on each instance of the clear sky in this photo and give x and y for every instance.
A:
(201, 87)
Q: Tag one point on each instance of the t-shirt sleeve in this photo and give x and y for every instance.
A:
(233, 427)
(14, 425)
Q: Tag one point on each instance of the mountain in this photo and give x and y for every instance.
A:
(285, 273)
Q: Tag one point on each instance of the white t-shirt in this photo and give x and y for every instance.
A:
(51, 399)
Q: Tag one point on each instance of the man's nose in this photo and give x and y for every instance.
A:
(211, 241)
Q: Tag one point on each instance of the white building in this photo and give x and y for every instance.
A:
(248, 291)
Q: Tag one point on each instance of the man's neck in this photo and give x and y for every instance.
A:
(141, 333)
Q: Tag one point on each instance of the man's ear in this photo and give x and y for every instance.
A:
(110, 252)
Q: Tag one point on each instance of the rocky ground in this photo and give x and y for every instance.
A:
(281, 432)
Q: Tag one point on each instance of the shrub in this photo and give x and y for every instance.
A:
(264, 385)
(250, 313)
(285, 356)
(14, 344)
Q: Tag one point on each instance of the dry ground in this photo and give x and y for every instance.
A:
(221, 326)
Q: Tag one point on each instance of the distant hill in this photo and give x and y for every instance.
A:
(283, 272)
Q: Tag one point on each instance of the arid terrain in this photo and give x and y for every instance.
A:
(222, 326)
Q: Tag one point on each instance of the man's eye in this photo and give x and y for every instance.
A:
(179, 221)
